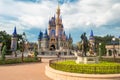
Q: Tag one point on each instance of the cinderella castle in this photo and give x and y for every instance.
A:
(54, 38)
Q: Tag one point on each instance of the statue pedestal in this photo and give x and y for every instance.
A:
(87, 60)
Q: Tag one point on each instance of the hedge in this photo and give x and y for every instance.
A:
(100, 68)
(18, 60)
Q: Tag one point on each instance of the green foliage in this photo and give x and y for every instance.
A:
(103, 40)
(4, 50)
(20, 46)
(110, 59)
(101, 49)
(35, 54)
(5, 39)
(18, 60)
(100, 68)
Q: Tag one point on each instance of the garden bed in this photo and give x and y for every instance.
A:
(103, 67)
(19, 60)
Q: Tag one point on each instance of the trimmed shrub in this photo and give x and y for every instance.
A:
(100, 68)
(18, 60)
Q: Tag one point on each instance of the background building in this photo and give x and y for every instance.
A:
(112, 48)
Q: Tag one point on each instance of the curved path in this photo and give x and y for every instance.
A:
(25, 71)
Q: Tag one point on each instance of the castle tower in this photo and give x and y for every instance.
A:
(14, 41)
(40, 36)
(91, 38)
(70, 40)
(56, 38)
(45, 40)
(58, 21)
(49, 27)
(91, 42)
(60, 41)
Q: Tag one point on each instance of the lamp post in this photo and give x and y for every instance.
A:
(99, 50)
(113, 39)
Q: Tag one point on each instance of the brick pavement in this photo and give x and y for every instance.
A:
(25, 71)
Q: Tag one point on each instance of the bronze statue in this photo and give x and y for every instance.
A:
(84, 44)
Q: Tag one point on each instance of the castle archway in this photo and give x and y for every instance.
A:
(52, 47)
(110, 52)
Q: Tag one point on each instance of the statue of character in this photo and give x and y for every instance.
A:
(84, 44)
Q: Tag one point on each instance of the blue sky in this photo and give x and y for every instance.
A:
(31, 16)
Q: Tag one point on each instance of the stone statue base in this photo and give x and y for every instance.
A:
(87, 60)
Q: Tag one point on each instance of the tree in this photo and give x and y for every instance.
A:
(35, 53)
(4, 50)
(6, 40)
(103, 40)
(103, 49)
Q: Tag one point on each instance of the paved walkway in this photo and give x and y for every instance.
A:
(27, 71)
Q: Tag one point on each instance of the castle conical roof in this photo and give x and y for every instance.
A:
(15, 32)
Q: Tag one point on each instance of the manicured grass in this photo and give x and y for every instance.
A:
(18, 60)
(100, 68)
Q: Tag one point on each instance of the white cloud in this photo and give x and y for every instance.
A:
(81, 14)
(74, 14)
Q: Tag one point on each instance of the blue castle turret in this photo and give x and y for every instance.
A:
(92, 43)
(45, 39)
(40, 36)
(14, 32)
(69, 36)
(70, 41)
(64, 33)
(45, 35)
(14, 40)
(91, 35)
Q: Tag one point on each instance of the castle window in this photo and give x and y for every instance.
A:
(52, 40)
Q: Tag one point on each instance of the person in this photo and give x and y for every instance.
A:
(84, 44)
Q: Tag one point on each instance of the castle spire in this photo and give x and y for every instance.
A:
(40, 35)
(58, 13)
(46, 32)
(58, 5)
(69, 35)
(15, 32)
(91, 34)
(14, 40)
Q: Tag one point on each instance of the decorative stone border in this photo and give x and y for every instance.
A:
(87, 60)
(60, 75)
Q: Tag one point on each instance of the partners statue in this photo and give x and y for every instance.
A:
(84, 44)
